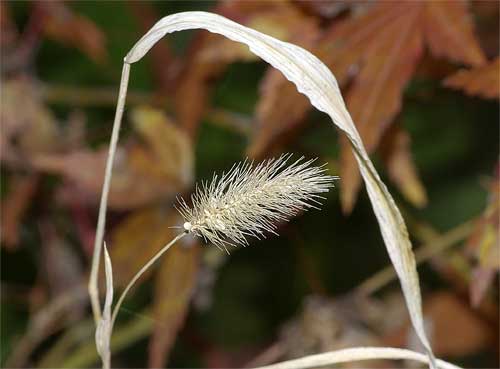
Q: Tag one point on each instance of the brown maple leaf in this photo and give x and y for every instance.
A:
(482, 81)
(379, 51)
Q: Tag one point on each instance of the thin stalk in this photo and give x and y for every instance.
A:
(140, 273)
(425, 252)
(101, 221)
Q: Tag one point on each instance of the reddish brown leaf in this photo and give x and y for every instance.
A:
(14, 205)
(63, 25)
(376, 95)
(281, 107)
(382, 47)
(487, 23)
(400, 166)
(174, 286)
(143, 173)
(449, 32)
(454, 328)
(345, 45)
(8, 29)
(482, 81)
(136, 239)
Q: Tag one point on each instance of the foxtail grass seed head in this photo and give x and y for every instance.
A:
(251, 200)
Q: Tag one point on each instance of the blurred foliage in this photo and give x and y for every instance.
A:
(421, 80)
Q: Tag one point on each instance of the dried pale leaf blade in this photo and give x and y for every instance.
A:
(174, 285)
(354, 355)
(482, 81)
(316, 81)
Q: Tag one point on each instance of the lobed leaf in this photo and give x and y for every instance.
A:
(449, 32)
(483, 81)
(381, 47)
(388, 63)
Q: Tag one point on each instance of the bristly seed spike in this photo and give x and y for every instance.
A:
(249, 200)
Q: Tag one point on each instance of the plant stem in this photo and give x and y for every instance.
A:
(101, 222)
(423, 253)
(140, 273)
(88, 96)
(79, 351)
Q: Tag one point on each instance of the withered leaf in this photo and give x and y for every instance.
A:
(144, 172)
(62, 24)
(8, 34)
(14, 206)
(483, 81)
(449, 32)
(455, 329)
(174, 285)
(29, 131)
(381, 48)
(137, 238)
(168, 143)
(398, 160)
(281, 107)
(376, 95)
